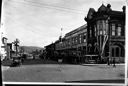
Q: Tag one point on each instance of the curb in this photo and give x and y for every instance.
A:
(102, 64)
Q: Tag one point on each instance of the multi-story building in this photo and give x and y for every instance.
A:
(3, 45)
(102, 38)
(106, 32)
(12, 50)
(73, 44)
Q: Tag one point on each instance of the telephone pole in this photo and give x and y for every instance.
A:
(16, 42)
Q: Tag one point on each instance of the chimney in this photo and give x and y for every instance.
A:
(124, 8)
(109, 6)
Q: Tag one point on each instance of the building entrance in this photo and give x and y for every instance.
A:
(116, 51)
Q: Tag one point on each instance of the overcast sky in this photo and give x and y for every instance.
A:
(39, 22)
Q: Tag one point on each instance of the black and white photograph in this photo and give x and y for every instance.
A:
(75, 42)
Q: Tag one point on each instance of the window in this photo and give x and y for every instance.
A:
(90, 33)
(100, 27)
(95, 31)
(97, 28)
(85, 29)
(113, 29)
(73, 41)
(100, 32)
(104, 27)
(119, 30)
(104, 32)
(80, 38)
(107, 27)
(66, 43)
(76, 39)
(84, 37)
(69, 43)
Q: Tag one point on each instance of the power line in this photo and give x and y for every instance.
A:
(50, 7)
(54, 6)
(32, 5)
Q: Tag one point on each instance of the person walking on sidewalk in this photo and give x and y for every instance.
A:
(108, 61)
(114, 62)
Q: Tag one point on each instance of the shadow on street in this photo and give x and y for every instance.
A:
(98, 81)
(30, 62)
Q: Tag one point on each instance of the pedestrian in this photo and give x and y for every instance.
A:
(114, 62)
(108, 62)
(60, 62)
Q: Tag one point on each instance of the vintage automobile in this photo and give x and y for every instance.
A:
(16, 61)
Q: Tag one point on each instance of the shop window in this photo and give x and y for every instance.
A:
(117, 52)
(122, 52)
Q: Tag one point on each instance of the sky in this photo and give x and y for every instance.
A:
(39, 22)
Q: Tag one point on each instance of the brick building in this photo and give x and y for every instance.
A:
(102, 37)
(106, 32)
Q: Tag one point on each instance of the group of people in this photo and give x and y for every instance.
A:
(113, 61)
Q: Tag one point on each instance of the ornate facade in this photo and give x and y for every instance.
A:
(102, 37)
(106, 32)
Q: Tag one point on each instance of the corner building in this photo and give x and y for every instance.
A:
(106, 33)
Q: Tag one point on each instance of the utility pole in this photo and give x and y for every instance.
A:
(109, 37)
(61, 35)
(0, 55)
(16, 45)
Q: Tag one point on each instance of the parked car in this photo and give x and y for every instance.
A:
(16, 61)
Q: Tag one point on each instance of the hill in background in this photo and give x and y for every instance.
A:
(29, 49)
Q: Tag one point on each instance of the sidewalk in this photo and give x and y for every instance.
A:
(6, 62)
(4, 67)
(103, 64)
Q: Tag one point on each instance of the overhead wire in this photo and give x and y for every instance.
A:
(40, 6)
(49, 7)
(54, 6)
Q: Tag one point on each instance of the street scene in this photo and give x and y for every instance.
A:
(68, 73)
(61, 41)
